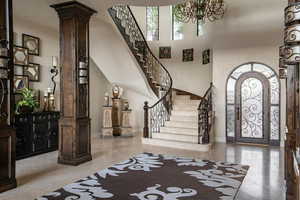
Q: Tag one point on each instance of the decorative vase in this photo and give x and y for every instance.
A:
(126, 105)
(116, 91)
(26, 109)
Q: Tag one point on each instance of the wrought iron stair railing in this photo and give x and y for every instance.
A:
(157, 75)
(205, 117)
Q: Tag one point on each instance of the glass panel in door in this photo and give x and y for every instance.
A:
(252, 108)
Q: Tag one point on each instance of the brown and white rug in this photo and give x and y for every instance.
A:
(157, 177)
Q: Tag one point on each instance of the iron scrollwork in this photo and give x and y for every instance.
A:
(157, 75)
(292, 34)
(205, 115)
(292, 14)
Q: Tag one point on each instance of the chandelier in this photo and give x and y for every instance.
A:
(199, 10)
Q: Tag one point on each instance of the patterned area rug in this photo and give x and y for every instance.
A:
(158, 177)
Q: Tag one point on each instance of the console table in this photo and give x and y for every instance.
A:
(36, 133)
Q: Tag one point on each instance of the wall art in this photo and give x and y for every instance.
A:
(206, 57)
(164, 52)
(21, 56)
(32, 44)
(20, 82)
(188, 55)
(32, 70)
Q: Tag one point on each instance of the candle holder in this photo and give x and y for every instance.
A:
(54, 71)
(46, 102)
(51, 102)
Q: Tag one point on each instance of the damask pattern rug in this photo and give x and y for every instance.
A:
(157, 177)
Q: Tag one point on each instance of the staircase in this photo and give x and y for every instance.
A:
(183, 124)
(182, 130)
(178, 119)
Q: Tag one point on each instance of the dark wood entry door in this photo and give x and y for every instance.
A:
(252, 109)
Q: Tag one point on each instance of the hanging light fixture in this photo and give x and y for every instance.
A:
(199, 10)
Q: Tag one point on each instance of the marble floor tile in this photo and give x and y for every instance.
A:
(41, 174)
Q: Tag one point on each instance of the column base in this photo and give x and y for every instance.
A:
(107, 132)
(8, 185)
(116, 131)
(75, 161)
(127, 132)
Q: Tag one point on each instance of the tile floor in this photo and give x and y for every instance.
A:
(41, 174)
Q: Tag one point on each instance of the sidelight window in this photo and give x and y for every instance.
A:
(177, 27)
(152, 23)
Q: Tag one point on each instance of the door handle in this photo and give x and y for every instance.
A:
(238, 113)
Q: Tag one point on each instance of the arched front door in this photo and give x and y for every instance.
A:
(252, 108)
(253, 105)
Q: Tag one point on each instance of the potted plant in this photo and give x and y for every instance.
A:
(28, 102)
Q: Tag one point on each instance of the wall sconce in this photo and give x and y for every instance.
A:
(83, 71)
(54, 71)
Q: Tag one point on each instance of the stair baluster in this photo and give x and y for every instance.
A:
(157, 75)
(205, 115)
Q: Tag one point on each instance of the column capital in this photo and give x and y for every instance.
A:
(73, 8)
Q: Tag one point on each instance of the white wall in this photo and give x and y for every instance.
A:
(250, 31)
(189, 76)
(99, 85)
(112, 62)
(49, 46)
(225, 60)
(111, 54)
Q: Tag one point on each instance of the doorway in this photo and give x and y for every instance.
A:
(253, 105)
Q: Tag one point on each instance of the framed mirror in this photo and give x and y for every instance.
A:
(20, 82)
(21, 56)
(32, 70)
(32, 44)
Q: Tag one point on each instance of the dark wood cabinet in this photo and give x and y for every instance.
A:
(36, 133)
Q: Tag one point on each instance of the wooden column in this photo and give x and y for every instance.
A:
(74, 139)
(291, 123)
(7, 133)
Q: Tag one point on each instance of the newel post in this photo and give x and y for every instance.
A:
(146, 120)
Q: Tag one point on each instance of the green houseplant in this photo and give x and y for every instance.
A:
(28, 102)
